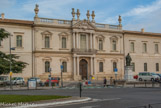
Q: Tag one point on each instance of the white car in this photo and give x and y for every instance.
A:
(18, 80)
(148, 76)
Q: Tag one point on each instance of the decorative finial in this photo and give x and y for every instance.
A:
(88, 15)
(78, 14)
(2, 15)
(73, 14)
(36, 10)
(120, 21)
(93, 16)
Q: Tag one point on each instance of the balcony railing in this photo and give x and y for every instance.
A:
(84, 51)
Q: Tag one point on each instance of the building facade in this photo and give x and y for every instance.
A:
(84, 48)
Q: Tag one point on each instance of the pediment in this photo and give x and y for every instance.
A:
(84, 25)
(46, 33)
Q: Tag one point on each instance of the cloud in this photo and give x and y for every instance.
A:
(4, 4)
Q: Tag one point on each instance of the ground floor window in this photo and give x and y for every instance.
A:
(64, 66)
(157, 66)
(114, 66)
(145, 67)
(47, 66)
(100, 66)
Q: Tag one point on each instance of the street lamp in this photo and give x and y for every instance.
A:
(10, 61)
(61, 75)
(50, 77)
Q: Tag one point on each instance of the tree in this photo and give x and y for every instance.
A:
(16, 66)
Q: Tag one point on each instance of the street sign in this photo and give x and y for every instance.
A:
(10, 73)
(61, 66)
(115, 70)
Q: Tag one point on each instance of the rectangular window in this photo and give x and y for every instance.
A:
(47, 42)
(47, 66)
(114, 66)
(83, 42)
(19, 41)
(132, 46)
(145, 67)
(144, 47)
(64, 66)
(156, 48)
(133, 69)
(114, 45)
(100, 66)
(100, 45)
(63, 42)
(157, 67)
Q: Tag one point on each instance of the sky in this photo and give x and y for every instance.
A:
(136, 14)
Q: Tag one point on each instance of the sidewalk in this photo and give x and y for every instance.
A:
(50, 102)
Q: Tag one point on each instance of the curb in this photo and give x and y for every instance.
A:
(55, 103)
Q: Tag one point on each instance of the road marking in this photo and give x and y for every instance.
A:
(89, 106)
(96, 100)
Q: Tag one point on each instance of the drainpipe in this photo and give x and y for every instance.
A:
(124, 50)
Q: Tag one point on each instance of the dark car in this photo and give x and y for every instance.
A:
(159, 76)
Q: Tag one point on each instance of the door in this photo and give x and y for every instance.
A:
(83, 69)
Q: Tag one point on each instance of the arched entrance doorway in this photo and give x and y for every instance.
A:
(83, 67)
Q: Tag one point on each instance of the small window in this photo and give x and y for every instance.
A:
(132, 46)
(133, 69)
(47, 42)
(156, 48)
(63, 42)
(157, 67)
(114, 45)
(144, 47)
(100, 66)
(145, 67)
(47, 66)
(100, 45)
(114, 66)
(64, 67)
(19, 41)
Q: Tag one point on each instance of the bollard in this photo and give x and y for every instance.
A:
(145, 82)
(80, 86)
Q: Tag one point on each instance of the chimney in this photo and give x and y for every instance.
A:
(2, 15)
(142, 30)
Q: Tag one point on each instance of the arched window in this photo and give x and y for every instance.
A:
(47, 42)
(114, 66)
(132, 46)
(64, 66)
(145, 67)
(63, 42)
(19, 40)
(144, 48)
(114, 45)
(47, 66)
(100, 45)
(157, 67)
(100, 66)
(156, 48)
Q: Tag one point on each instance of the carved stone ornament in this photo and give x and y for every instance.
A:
(84, 25)
(36, 10)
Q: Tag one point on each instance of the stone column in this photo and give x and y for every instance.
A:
(91, 65)
(74, 68)
(87, 42)
(73, 39)
(94, 65)
(91, 39)
(77, 39)
(77, 66)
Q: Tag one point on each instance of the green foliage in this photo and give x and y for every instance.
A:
(16, 66)
(27, 98)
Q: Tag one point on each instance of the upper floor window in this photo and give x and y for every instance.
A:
(132, 46)
(156, 48)
(114, 45)
(100, 66)
(145, 67)
(83, 41)
(64, 66)
(133, 64)
(157, 66)
(100, 45)
(63, 42)
(114, 66)
(19, 41)
(144, 47)
(47, 66)
(47, 42)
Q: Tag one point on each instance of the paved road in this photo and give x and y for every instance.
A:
(103, 97)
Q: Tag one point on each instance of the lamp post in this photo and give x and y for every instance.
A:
(10, 61)
(61, 75)
(50, 77)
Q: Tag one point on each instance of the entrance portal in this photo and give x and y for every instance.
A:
(83, 69)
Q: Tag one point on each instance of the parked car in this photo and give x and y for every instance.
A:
(135, 77)
(18, 80)
(148, 76)
(4, 80)
(54, 80)
(159, 76)
(36, 78)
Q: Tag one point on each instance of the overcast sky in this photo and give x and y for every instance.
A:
(136, 14)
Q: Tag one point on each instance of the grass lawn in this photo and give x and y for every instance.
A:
(27, 98)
